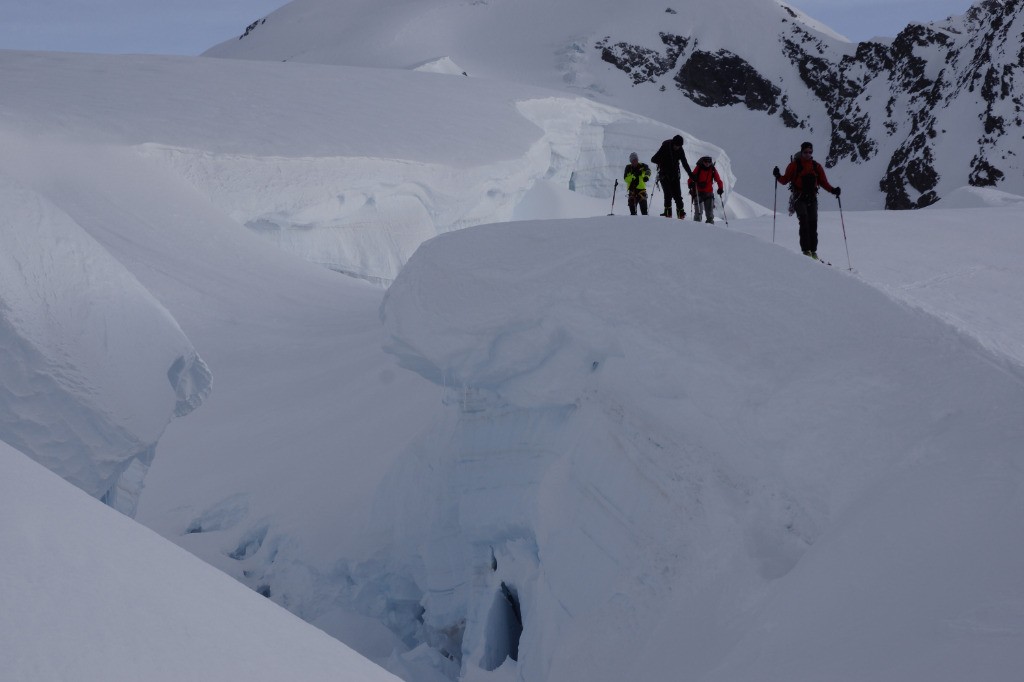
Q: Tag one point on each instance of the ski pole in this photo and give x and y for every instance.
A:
(845, 243)
(775, 206)
(724, 215)
(614, 190)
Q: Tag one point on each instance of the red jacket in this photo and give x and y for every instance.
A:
(703, 177)
(799, 169)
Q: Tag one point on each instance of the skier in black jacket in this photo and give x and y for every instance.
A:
(667, 158)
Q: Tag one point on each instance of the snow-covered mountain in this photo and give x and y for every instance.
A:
(899, 122)
(628, 448)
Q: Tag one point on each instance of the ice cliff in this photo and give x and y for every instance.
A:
(93, 367)
(638, 426)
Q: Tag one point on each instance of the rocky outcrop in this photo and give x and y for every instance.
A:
(991, 72)
(722, 78)
(252, 27)
(902, 98)
(643, 64)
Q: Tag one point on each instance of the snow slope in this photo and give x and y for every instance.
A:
(491, 40)
(87, 594)
(631, 447)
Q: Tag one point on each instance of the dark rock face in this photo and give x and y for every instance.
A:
(722, 78)
(885, 96)
(984, 174)
(912, 165)
(252, 27)
(1004, 103)
(643, 64)
(828, 81)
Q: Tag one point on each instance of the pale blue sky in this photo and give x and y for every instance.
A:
(864, 19)
(188, 27)
(185, 27)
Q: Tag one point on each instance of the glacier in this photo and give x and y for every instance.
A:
(94, 366)
(617, 411)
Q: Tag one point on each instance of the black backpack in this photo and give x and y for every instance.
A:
(805, 184)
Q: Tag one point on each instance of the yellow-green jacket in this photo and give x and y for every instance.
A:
(636, 177)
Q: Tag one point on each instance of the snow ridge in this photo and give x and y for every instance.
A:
(337, 212)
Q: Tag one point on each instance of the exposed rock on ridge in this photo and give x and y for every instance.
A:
(920, 75)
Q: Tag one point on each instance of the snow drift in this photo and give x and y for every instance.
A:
(693, 433)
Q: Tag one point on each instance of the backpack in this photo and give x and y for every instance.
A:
(805, 185)
(703, 175)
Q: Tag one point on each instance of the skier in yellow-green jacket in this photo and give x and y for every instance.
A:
(636, 176)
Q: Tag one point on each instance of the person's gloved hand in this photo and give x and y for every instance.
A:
(836, 191)
(775, 172)
(720, 191)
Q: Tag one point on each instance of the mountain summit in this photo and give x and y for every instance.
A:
(904, 121)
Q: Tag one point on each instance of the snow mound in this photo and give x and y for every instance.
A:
(979, 197)
(443, 65)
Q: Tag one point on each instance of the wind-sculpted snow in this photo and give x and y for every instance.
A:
(355, 183)
(647, 438)
(93, 367)
(366, 216)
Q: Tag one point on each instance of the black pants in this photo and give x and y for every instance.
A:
(637, 197)
(673, 192)
(704, 205)
(807, 213)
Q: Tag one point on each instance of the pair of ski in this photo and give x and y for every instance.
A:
(825, 262)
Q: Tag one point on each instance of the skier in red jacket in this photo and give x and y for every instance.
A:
(805, 176)
(702, 189)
